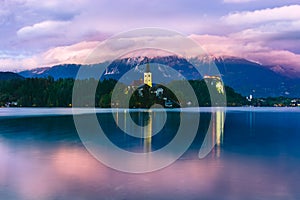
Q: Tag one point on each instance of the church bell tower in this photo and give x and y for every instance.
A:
(148, 76)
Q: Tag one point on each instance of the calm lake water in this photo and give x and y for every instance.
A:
(256, 156)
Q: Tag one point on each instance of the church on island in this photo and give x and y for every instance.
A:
(149, 93)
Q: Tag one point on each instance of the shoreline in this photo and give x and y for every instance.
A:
(58, 111)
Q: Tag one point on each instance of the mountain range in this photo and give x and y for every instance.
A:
(9, 76)
(244, 76)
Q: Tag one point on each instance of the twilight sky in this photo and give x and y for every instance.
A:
(43, 33)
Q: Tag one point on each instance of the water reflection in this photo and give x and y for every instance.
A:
(150, 120)
(148, 133)
(215, 134)
(149, 123)
(218, 118)
(251, 119)
(45, 160)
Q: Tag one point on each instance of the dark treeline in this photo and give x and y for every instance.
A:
(38, 92)
(47, 92)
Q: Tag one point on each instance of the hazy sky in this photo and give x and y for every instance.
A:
(41, 33)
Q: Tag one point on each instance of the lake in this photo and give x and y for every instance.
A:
(255, 155)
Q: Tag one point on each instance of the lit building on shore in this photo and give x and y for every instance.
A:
(216, 82)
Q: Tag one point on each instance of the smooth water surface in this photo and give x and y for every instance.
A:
(256, 156)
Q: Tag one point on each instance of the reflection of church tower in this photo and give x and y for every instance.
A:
(148, 76)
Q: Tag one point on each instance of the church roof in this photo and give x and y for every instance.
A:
(147, 68)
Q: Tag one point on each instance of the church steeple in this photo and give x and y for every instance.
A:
(148, 75)
(147, 68)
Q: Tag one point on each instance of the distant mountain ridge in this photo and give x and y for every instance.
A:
(244, 76)
(58, 71)
(10, 76)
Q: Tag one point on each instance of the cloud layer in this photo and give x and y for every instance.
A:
(36, 33)
(285, 13)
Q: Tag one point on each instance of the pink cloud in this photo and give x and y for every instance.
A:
(285, 13)
(76, 54)
(256, 51)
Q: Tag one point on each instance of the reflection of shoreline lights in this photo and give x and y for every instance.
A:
(148, 134)
(251, 116)
(219, 127)
(218, 118)
(117, 118)
(145, 120)
(214, 138)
